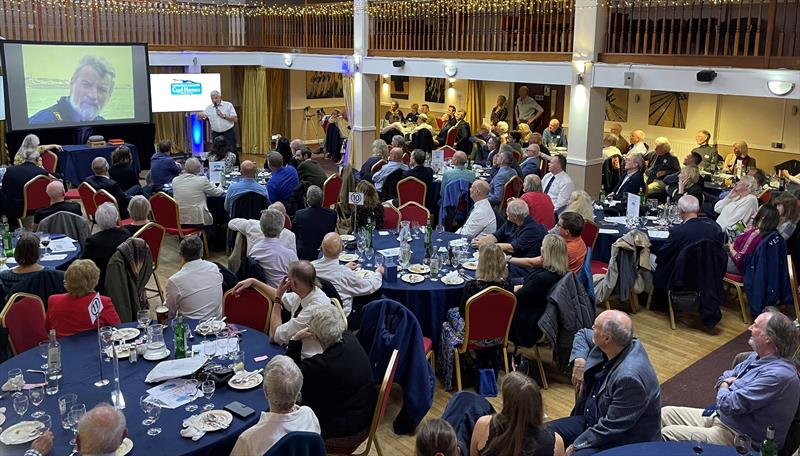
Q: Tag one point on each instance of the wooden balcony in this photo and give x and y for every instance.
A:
(744, 33)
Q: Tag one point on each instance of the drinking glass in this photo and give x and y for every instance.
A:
(152, 414)
(698, 443)
(76, 413)
(15, 379)
(361, 245)
(144, 318)
(378, 260)
(194, 386)
(434, 265)
(107, 341)
(145, 404)
(37, 397)
(209, 347)
(742, 443)
(51, 388)
(439, 231)
(65, 403)
(369, 252)
(44, 348)
(20, 403)
(208, 388)
(47, 423)
(44, 238)
(415, 229)
(454, 259)
(405, 257)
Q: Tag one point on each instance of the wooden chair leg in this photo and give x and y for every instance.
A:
(505, 358)
(634, 302)
(743, 305)
(608, 304)
(540, 366)
(158, 285)
(432, 362)
(377, 446)
(650, 296)
(671, 312)
(458, 368)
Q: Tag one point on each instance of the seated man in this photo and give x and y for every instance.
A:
(554, 134)
(632, 181)
(530, 160)
(309, 170)
(196, 289)
(55, 191)
(190, 191)
(557, 183)
(570, 226)
(283, 180)
(343, 277)
(101, 430)
(395, 163)
(760, 391)
(101, 181)
(270, 253)
(662, 163)
(283, 381)
(163, 168)
(482, 219)
(247, 183)
(619, 397)
(458, 171)
(424, 174)
(312, 223)
(499, 180)
(520, 235)
(251, 229)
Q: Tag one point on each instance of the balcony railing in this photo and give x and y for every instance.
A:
(539, 29)
(750, 33)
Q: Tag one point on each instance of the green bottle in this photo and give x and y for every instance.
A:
(7, 234)
(428, 241)
(179, 327)
(768, 446)
(602, 197)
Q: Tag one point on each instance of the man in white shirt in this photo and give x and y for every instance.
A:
(251, 229)
(637, 144)
(298, 294)
(270, 253)
(481, 219)
(221, 115)
(196, 289)
(343, 277)
(283, 382)
(527, 110)
(557, 184)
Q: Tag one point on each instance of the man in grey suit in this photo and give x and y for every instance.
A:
(619, 397)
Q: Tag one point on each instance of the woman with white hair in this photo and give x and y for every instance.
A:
(740, 204)
(282, 383)
(337, 383)
(27, 165)
(190, 190)
(380, 151)
(31, 144)
(101, 245)
(139, 212)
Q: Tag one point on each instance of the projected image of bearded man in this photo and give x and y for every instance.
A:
(90, 89)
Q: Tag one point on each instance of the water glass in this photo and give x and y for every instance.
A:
(36, 395)
(107, 341)
(44, 348)
(434, 265)
(153, 412)
(369, 252)
(208, 387)
(76, 413)
(20, 403)
(144, 318)
(193, 386)
(145, 405)
(378, 260)
(209, 347)
(47, 423)
(742, 443)
(65, 403)
(15, 379)
(405, 257)
(51, 388)
(415, 229)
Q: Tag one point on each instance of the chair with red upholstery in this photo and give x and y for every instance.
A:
(24, 318)
(102, 196)
(35, 196)
(414, 212)
(517, 155)
(287, 222)
(406, 158)
(488, 317)
(439, 123)
(377, 417)
(153, 234)
(49, 161)
(451, 137)
(391, 217)
(251, 308)
(737, 280)
(86, 193)
(448, 152)
(167, 214)
(512, 189)
(330, 190)
(590, 233)
(411, 189)
(377, 166)
(765, 196)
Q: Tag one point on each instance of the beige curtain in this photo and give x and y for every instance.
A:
(264, 108)
(349, 100)
(278, 101)
(3, 146)
(170, 125)
(475, 104)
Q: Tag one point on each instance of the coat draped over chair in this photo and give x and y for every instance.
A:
(127, 274)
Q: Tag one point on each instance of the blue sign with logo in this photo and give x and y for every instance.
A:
(186, 87)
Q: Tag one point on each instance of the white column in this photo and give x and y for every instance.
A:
(363, 117)
(586, 103)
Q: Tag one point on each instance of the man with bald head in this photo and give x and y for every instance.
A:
(55, 191)
(482, 219)
(637, 145)
(395, 163)
(102, 181)
(247, 183)
(101, 431)
(618, 394)
(458, 171)
(351, 286)
(520, 236)
(554, 134)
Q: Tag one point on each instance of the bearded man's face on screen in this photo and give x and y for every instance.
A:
(89, 92)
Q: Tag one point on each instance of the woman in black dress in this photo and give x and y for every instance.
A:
(121, 171)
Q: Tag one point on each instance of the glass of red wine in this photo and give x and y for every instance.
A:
(742, 444)
(698, 443)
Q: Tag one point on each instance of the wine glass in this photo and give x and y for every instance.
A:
(369, 252)
(44, 350)
(65, 403)
(107, 341)
(76, 413)
(698, 443)
(15, 379)
(742, 443)
(144, 318)
(20, 403)
(194, 386)
(37, 397)
(145, 404)
(209, 348)
(361, 245)
(44, 238)
(46, 423)
(439, 231)
(152, 414)
(208, 387)
(415, 229)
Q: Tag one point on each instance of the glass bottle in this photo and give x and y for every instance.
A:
(179, 329)
(54, 356)
(768, 446)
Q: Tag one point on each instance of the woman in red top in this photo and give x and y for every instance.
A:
(68, 313)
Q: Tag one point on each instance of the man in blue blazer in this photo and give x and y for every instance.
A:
(619, 397)
(312, 224)
(633, 180)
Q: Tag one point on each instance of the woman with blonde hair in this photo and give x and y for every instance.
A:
(66, 313)
(491, 272)
(380, 151)
(580, 202)
(501, 130)
(689, 183)
(372, 209)
(344, 210)
(525, 132)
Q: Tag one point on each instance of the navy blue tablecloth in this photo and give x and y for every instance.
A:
(668, 449)
(428, 300)
(75, 162)
(54, 263)
(602, 247)
(80, 365)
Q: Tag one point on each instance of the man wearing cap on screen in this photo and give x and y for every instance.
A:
(90, 88)
(221, 116)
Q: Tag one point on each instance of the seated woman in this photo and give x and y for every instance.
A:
(394, 127)
(532, 294)
(221, 151)
(372, 210)
(786, 203)
(518, 428)
(139, 211)
(26, 254)
(436, 437)
(282, 383)
(492, 271)
(380, 151)
(337, 383)
(66, 313)
(103, 244)
(689, 183)
(343, 208)
(764, 223)
(581, 203)
(121, 170)
(525, 133)
(739, 204)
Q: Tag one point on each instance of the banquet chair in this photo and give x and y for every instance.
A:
(406, 158)
(34, 196)
(414, 212)
(377, 166)
(517, 155)
(102, 196)
(24, 318)
(251, 308)
(488, 317)
(510, 190)
(86, 193)
(49, 161)
(287, 222)
(450, 140)
(793, 285)
(377, 417)
(330, 190)
(298, 443)
(167, 214)
(338, 305)
(534, 354)
(411, 189)
(153, 234)
(737, 281)
(448, 152)
(391, 217)
(590, 233)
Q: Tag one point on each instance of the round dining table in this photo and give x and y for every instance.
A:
(53, 260)
(668, 449)
(610, 231)
(80, 366)
(429, 300)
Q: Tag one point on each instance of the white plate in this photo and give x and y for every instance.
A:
(125, 447)
(471, 265)
(347, 237)
(412, 278)
(419, 269)
(156, 356)
(455, 281)
(210, 327)
(252, 381)
(2, 419)
(123, 351)
(126, 334)
(222, 416)
(22, 432)
(348, 257)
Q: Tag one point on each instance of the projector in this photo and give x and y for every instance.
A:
(706, 75)
(96, 141)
